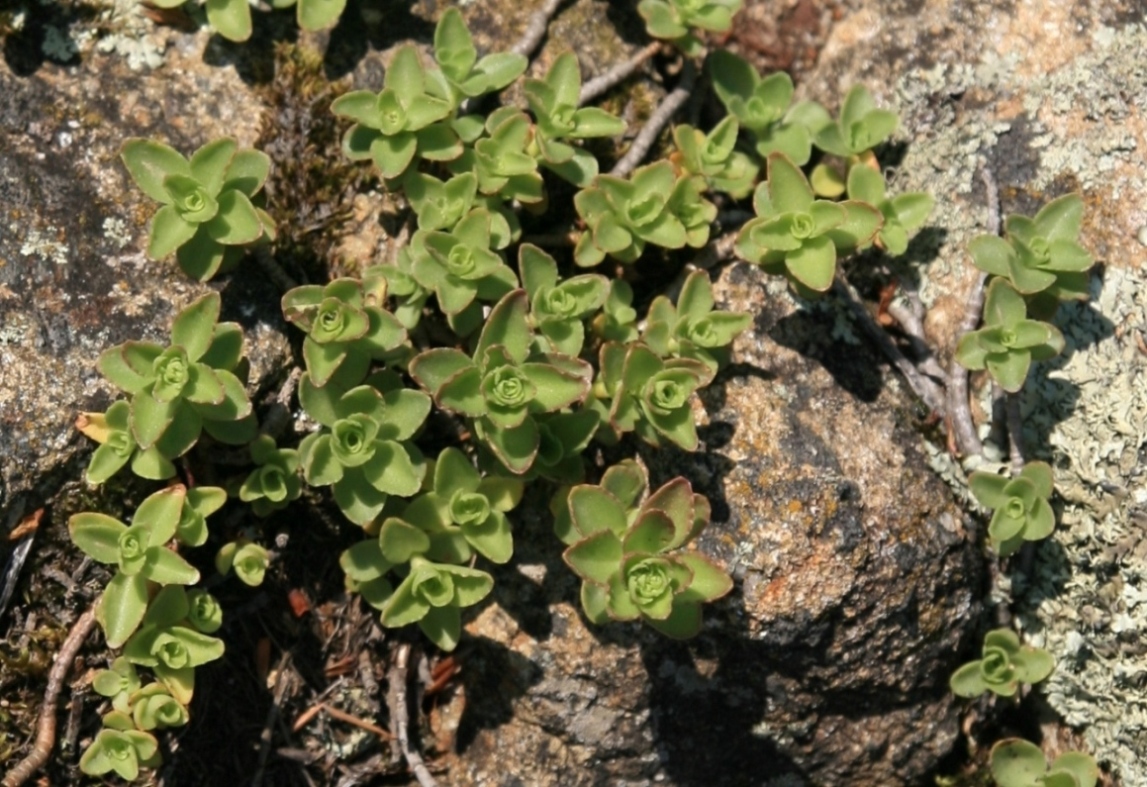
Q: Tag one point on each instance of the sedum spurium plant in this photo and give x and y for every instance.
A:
(764, 107)
(675, 20)
(1006, 663)
(1022, 511)
(1009, 341)
(554, 102)
(141, 557)
(506, 384)
(210, 208)
(796, 235)
(232, 18)
(1040, 257)
(405, 121)
(1019, 763)
(655, 206)
(177, 392)
(527, 358)
(631, 558)
(903, 214)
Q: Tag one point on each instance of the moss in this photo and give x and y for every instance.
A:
(311, 189)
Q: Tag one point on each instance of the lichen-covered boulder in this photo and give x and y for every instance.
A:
(1051, 98)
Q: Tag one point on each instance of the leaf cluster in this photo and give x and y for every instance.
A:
(1006, 663)
(212, 207)
(1018, 763)
(177, 392)
(631, 556)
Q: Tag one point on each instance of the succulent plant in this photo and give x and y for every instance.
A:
(1041, 253)
(312, 14)
(1021, 508)
(554, 102)
(796, 235)
(456, 55)
(1006, 664)
(409, 296)
(363, 450)
(346, 330)
(176, 393)
(631, 561)
(505, 385)
(618, 319)
(650, 395)
(140, 554)
(198, 504)
(123, 751)
(502, 160)
(653, 206)
(691, 329)
(903, 214)
(862, 125)
(169, 646)
(154, 708)
(712, 158)
(764, 107)
(275, 481)
(208, 212)
(459, 266)
(1018, 763)
(119, 683)
(461, 512)
(1009, 341)
(406, 121)
(440, 205)
(674, 20)
(248, 560)
(558, 308)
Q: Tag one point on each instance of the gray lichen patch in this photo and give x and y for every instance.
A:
(1088, 601)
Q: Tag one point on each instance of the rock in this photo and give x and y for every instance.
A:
(73, 277)
(1052, 96)
(829, 662)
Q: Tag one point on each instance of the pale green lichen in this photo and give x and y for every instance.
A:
(130, 34)
(42, 244)
(117, 231)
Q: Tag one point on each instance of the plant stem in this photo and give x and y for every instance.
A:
(959, 407)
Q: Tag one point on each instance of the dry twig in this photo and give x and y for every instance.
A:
(923, 386)
(46, 726)
(400, 719)
(913, 328)
(536, 30)
(619, 73)
(652, 129)
(958, 404)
